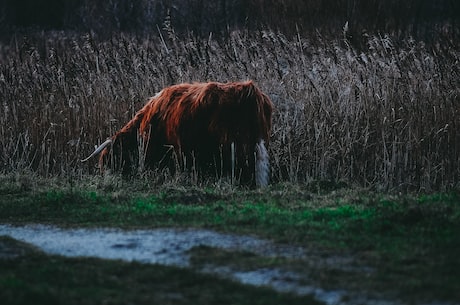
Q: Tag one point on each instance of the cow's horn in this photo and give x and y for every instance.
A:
(98, 150)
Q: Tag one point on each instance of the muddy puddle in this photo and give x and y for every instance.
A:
(173, 247)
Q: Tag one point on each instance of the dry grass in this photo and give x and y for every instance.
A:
(386, 116)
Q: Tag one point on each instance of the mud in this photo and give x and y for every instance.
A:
(172, 247)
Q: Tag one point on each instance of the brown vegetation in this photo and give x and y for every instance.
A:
(385, 115)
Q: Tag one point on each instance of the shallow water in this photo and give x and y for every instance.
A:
(171, 247)
(158, 246)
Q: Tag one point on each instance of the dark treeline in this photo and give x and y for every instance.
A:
(423, 19)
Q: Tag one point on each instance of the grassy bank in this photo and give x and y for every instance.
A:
(410, 240)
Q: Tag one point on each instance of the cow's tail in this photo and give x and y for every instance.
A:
(98, 150)
(262, 170)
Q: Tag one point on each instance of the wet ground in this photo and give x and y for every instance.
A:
(175, 247)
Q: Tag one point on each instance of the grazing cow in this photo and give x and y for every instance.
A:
(215, 128)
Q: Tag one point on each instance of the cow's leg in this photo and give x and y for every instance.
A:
(262, 166)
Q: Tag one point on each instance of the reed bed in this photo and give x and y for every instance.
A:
(385, 115)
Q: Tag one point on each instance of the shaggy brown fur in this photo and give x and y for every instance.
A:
(197, 123)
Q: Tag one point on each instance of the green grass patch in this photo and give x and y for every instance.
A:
(411, 240)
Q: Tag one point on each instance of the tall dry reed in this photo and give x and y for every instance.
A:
(385, 116)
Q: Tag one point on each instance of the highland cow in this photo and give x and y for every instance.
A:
(214, 128)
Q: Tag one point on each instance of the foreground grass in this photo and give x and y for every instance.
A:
(39, 279)
(412, 241)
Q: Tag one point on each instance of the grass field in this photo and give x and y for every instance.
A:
(410, 241)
